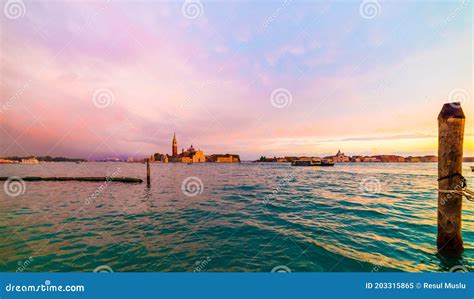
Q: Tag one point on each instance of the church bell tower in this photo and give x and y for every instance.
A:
(175, 146)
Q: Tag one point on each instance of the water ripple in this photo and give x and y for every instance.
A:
(250, 217)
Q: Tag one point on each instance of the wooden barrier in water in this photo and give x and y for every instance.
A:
(78, 179)
(451, 121)
(148, 181)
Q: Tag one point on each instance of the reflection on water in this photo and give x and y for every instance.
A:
(249, 217)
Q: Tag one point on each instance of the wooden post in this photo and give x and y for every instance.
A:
(148, 172)
(450, 154)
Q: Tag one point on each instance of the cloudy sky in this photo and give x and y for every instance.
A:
(96, 79)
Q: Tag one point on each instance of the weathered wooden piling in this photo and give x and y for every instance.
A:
(148, 182)
(450, 154)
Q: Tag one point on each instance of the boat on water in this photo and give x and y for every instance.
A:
(312, 163)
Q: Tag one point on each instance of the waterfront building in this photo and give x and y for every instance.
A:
(339, 157)
(31, 160)
(390, 158)
(157, 157)
(190, 155)
(5, 161)
(291, 159)
(227, 158)
(113, 159)
(371, 159)
(430, 158)
(413, 159)
(199, 157)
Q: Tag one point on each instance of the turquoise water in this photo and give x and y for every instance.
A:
(243, 217)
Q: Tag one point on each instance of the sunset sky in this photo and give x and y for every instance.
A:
(96, 79)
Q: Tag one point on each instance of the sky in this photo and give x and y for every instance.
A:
(97, 79)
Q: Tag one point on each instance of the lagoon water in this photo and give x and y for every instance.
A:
(246, 217)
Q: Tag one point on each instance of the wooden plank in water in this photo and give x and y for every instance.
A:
(79, 179)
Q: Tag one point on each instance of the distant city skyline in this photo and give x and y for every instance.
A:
(105, 78)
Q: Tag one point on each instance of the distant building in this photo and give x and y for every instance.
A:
(157, 157)
(390, 158)
(227, 158)
(339, 157)
(305, 158)
(113, 159)
(6, 161)
(189, 156)
(430, 158)
(370, 159)
(413, 159)
(31, 160)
